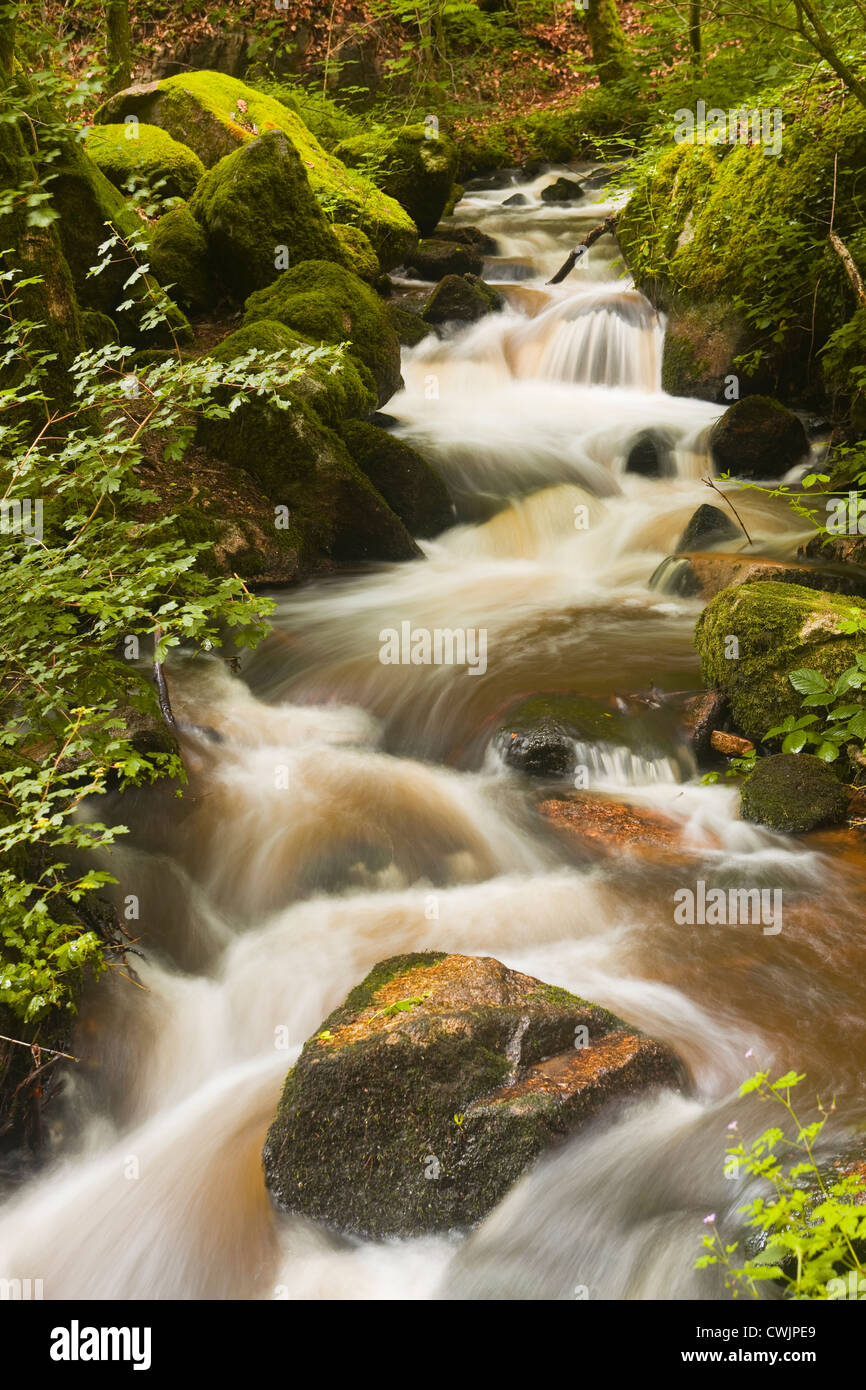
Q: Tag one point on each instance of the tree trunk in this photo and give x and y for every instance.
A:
(7, 42)
(609, 50)
(117, 44)
(822, 42)
(695, 32)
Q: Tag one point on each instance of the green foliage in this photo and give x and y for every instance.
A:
(812, 1229)
(844, 716)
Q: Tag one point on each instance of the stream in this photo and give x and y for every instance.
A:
(352, 809)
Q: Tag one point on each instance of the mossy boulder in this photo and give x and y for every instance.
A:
(326, 303)
(408, 165)
(461, 299)
(334, 514)
(408, 484)
(793, 792)
(409, 327)
(179, 258)
(90, 210)
(135, 150)
(758, 437)
(750, 638)
(215, 114)
(435, 256)
(423, 1098)
(259, 215)
(357, 252)
(335, 396)
(98, 329)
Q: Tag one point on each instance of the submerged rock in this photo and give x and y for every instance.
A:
(651, 455)
(461, 299)
(606, 824)
(794, 792)
(517, 200)
(757, 438)
(425, 1096)
(433, 258)
(547, 735)
(708, 526)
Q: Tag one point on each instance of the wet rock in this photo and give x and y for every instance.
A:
(757, 438)
(471, 236)
(517, 200)
(794, 792)
(749, 638)
(702, 714)
(544, 733)
(651, 455)
(708, 526)
(706, 575)
(501, 178)
(424, 1097)
(433, 258)
(603, 823)
(562, 190)
(412, 489)
(461, 299)
(731, 744)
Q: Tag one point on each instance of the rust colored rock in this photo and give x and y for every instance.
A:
(731, 744)
(600, 822)
(705, 574)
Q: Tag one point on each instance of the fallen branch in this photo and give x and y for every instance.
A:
(608, 225)
(850, 268)
(162, 694)
(30, 1047)
(725, 498)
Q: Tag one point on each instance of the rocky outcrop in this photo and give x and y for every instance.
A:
(424, 1097)
(215, 114)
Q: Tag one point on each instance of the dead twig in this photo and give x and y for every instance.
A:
(709, 482)
(608, 225)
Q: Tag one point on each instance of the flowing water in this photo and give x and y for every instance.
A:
(352, 809)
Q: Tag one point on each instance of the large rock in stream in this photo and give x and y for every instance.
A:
(422, 1099)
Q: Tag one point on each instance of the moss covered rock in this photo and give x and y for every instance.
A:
(179, 258)
(98, 329)
(328, 304)
(333, 514)
(215, 114)
(259, 215)
(357, 252)
(422, 1099)
(461, 299)
(408, 484)
(135, 150)
(435, 257)
(751, 638)
(794, 792)
(408, 165)
(757, 438)
(410, 328)
(562, 190)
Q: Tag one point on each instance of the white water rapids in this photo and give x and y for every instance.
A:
(353, 810)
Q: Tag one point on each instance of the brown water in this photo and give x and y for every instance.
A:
(355, 809)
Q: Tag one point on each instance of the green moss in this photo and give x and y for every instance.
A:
(335, 396)
(362, 996)
(358, 253)
(794, 792)
(98, 329)
(202, 110)
(409, 485)
(259, 214)
(778, 628)
(144, 153)
(416, 170)
(410, 328)
(179, 259)
(328, 304)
